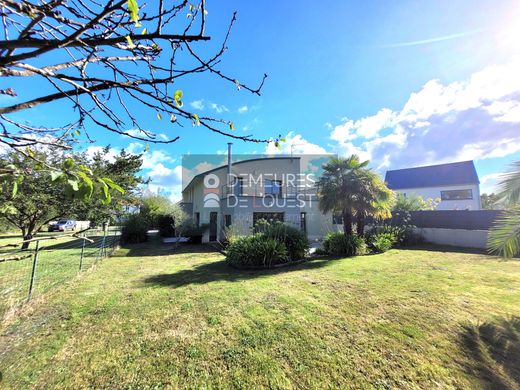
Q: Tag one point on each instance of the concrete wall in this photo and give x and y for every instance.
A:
(455, 237)
(435, 192)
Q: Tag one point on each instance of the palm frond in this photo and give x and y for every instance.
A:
(504, 237)
(510, 185)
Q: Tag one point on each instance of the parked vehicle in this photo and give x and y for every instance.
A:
(63, 225)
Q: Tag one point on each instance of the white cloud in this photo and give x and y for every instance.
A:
(473, 119)
(489, 182)
(197, 104)
(218, 108)
(295, 144)
(243, 109)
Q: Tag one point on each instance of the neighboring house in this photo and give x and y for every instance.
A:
(455, 184)
(243, 192)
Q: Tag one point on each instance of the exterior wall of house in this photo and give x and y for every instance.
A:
(435, 192)
(252, 195)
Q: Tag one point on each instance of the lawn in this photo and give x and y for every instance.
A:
(58, 261)
(151, 317)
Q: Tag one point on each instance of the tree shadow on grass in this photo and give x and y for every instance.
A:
(494, 352)
(443, 248)
(156, 247)
(221, 271)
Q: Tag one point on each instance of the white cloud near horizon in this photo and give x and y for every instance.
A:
(197, 104)
(243, 109)
(477, 118)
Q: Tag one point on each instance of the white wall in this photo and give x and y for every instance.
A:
(455, 237)
(435, 192)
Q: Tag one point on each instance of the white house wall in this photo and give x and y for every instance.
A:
(435, 192)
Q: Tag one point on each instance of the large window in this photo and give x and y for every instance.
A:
(273, 187)
(456, 195)
(270, 217)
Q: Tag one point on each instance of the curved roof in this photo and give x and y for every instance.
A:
(463, 172)
(237, 163)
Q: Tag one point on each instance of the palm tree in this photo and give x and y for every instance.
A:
(350, 188)
(504, 237)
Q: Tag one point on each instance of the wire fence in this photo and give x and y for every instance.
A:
(49, 261)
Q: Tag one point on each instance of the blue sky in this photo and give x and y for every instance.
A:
(403, 84)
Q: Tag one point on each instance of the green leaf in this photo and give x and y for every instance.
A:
(130, 43)
(231, 126)
(104, 187)
(73, 184)
(191, 7)
(144, 32)
(15, 188)
(113, 185)
(146, 147)
(177, 96)
(55, 175)
(68, 163)
(133, 8)
(188, 16)
(88, 182)
(197, 120)
(282, 140)
(277, 144)
(78, 133)
(159, 116)
(29, 152)
(237, 83)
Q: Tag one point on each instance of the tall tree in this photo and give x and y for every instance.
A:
(504, 237)
(348, 187)
(111, 63)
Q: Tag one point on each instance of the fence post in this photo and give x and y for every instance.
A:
(33, 272)
(81, 255)
(102, 247)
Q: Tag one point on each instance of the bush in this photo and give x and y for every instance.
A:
(401, 229)
(294, 240)
(382, 242)
(165, 224)
(339, 244)
(256, 251)
(134, 230)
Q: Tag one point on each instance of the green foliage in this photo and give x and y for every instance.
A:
(339, 244)
(190, 229)
(504, 238)
(349, 187)
(400, 228)
(381, 242)
(491, 202)
(134, 229)
(414, 203)
(154, 206)
(294, 239)
(256, 251)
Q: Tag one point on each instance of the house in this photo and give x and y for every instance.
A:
(455, 184)
(242, 192)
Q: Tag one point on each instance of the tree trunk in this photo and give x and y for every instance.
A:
(360, 225)
(27, 235)
(347, 223)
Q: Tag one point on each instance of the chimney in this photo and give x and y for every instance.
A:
(229, 162)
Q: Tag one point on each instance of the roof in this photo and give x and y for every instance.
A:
(463, 172)
(237, 163)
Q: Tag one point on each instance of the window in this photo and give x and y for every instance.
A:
(197, 219)
(337, 219)
(273, 187)
(227, 218)
(269, 217)
(456, 195)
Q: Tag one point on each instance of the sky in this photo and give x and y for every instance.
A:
(400, 83)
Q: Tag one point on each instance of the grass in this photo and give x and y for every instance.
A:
(58, 261)
(154, 318)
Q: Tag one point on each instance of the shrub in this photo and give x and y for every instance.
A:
(339, 244)
(191, 230)
(256, 251)
(134, 230)
(382, 242)
(401, 229)
(294, 240)
(165, 224)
